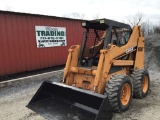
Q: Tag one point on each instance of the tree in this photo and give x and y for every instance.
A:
(8, 8)
(96, 16)
(146, 27)
(136, 19)
(156, 29)
(75, 16)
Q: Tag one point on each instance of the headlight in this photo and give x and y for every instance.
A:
(102, 21)
(84, 24)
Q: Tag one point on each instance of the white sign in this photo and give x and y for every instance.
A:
(50, 36)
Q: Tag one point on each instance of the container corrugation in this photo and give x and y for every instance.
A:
(18, 50)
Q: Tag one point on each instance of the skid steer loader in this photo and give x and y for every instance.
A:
(100, 76)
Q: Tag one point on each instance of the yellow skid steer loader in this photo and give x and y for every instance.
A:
(100, 76)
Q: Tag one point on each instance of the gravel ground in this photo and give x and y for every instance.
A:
(13, 100)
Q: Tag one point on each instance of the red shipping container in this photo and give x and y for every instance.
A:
(19, 52)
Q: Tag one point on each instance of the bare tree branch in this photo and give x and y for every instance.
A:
(136, 19)
(8, 8)
(74, 15)
(96, 16)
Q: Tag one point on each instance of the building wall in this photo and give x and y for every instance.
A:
(18, 50)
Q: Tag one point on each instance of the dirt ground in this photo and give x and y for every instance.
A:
(13, 100)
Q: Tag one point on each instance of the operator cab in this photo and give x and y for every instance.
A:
(98, 34)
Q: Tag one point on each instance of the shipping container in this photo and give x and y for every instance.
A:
(18, 45)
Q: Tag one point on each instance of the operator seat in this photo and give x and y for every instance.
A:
(95, 50)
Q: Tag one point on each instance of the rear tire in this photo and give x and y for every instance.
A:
(119, 91)
(141, 83)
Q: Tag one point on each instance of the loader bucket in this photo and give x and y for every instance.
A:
(57, 101)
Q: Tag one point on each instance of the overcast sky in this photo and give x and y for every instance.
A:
(112, 9)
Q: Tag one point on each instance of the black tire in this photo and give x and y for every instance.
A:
(138, 85)
(114, 90)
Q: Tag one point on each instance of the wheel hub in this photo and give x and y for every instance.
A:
(145, 84)
(125, 94)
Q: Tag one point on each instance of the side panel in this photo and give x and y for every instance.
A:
(139, 60)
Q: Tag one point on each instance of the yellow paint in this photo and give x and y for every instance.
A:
(97, 76)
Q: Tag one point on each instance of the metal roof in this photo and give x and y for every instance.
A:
(103, 24)
(36, 15)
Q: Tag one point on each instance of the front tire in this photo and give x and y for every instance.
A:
(119, 91)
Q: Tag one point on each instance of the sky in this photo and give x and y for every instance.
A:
(118, 10)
